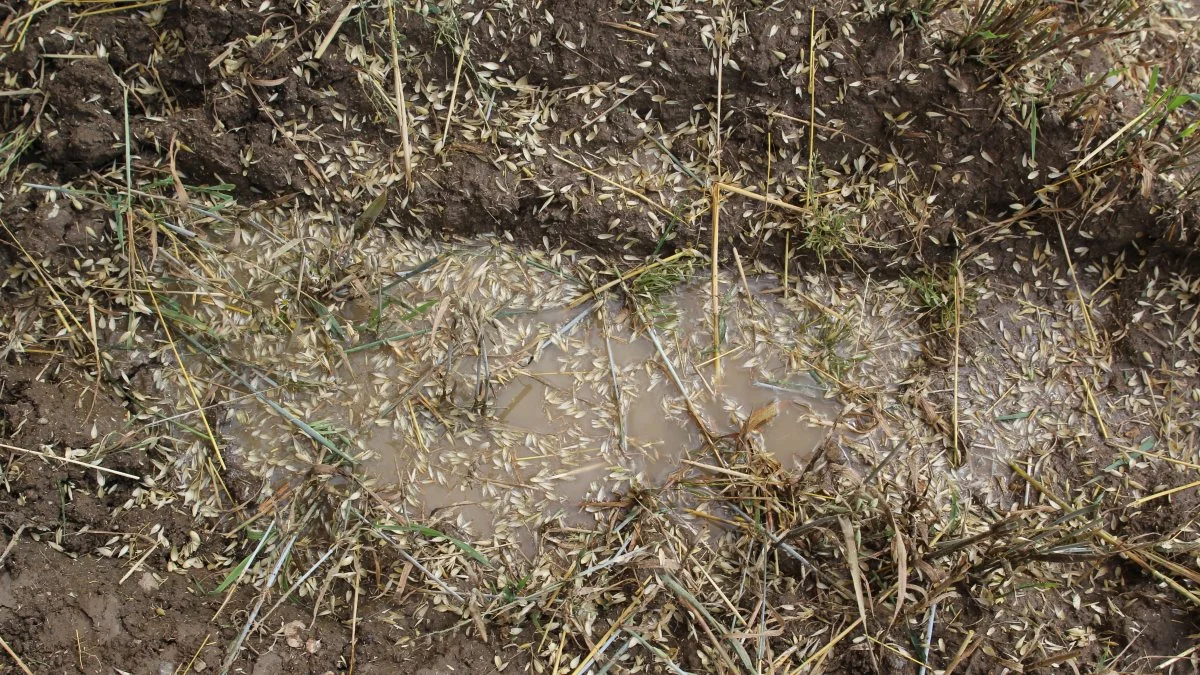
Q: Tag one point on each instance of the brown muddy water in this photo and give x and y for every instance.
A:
(546, 413)
(573, 446)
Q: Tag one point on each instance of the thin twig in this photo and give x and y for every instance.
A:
(766, 199)
(333, 30)
(401, 105)
(1087, 314)
(716, 296)
(354, 616)
(37, 268)
(1110, 539)
(16, 659)
(611, 634)
(707, 621)
(236, 647)
(262, 543)
(462, 57)
(956, 451)
(666, 659)
(823, 651)
(631, 29)
(928, 637)
(12, 543)
(629, 275)
(295, 585)
(68, 460)
(629, 191)
(138, 565)
(812, 107)
(203, 643)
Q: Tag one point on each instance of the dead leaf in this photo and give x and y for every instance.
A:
(900, 554)
(363, 224)
(760, 418)
(855, 572)
(267, 83)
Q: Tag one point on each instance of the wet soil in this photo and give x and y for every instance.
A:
(68, 607)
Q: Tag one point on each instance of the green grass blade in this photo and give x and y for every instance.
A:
(435, 534)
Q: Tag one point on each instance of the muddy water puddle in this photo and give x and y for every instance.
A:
(525, 416)
(555, 426)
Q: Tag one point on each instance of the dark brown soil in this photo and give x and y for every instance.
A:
(66, 607)
(946, 118)
(74, 614)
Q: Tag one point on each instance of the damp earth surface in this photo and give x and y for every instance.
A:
(554, 404)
